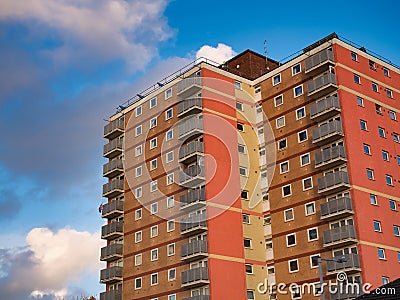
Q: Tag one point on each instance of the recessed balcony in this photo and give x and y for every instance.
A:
(351, 265)
(189, 153)
(113, 209)
(190, 106)
(194, 224)
(113, 168)
(195, 250)
(192, 176)
(193, 200)
(113, 188)
(319, 62)
(114, 129)
(190, 128)
(112, 149)
(333, 183)
(111, 252)
(189, 86)
(325, 109)
(112, 230)
(111, 295)
(336, 209)
(330, 158)
(328, 132)
(195, 277)
(340, 236)
(322, 85)
(111, 275)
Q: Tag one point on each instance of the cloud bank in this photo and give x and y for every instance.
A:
(219, 54)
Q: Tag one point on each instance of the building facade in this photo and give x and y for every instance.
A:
(226, 180)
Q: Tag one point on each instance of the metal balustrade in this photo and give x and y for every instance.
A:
(319, 62)
(195, 277)
(193, 199)
(113, 188)
(190, 106)
(322, 85)
(113, 148)
(331, 157)
(336, 208)
(194, 250)
(113, 168)
(352, 264)
(188, 152)
(111, 275)
(111, 252)
(194, 224)
(191, 127)
(325, 109)
(192, 176)
(340, 236)
(333, 182)
(189, 86)
(114, 129)
(113, 209)
(112, 230)
(328, 132)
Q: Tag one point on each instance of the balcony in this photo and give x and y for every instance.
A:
(195, 277)
(340, 236)
(351, 265)
(192, 176)
(191, 127)
(113, 149)
(114, 129)
(319, 62)
(111, 295)
(111, 252)
(113, 168)
(193, 200)
(200, 297)
(328, 132)
(189, 152)
(194, 250)
(113, 209)
(322, 86)
(111, 275)
(112, 230)
(189, 107)
(113, 188)
(330, 158)
(194, 224)
(188, 86)
(267, 229)
(325, 109)
(348, 292)
(337, 208)
(333, 183)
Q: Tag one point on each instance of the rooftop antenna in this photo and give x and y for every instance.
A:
(265, 54)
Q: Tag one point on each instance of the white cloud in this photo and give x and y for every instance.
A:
(219, 54)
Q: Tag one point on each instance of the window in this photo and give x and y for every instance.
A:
(170, 179)
(171, 274)
(247, 243)
(172, 297)
(246, 218)
(377, 226)
(238, 85)
(153, 164)
(138, 214)
(392, 204)
(280, 122)
(373, 199)
(398, 256)
(357, 79)
(138, 150)
(170, 199)
(300, 113)
(374, 87)
(138, 259)
(386, 72)
(138, 236)
(249, 269)
(381, 132)
(153, 122)
(354, 56)
(154, 208)
(138, 171)
(242, 148)
(138, 111)
(244, 194)
(169, 135)
(154, 231)
(392, 115)
(314, 261)
(168, 114)
(153, 103)
(398, 160)
(291, 240)
(153, 143)
(378, 109)
(309, 208)
(153, 186)
(389, 93)
(295, 292)
(276, 79)
(360, 101)
(302, 135)
(284, 167)
(169, 156)
(239, 105)
(396, 230)
(250, 295)
(385, 155)
(240, 127)
(138, 192)
(278, 100)
(293, 265)
(286, 190)
(389, 180)
(372, 65)
(296, 69)
(243, 171)
(367, 149)
(370, 174)
(307, 183)
(154, 279)
(363, 125)
(154, 255)
(288, 214)
(138, 130)
(385, 280)
(168, 93)
(381, 253)
(312, 234)
(267, 219)
(138, 283)
(170, 225)
(305, 159)
(298, 91)
(396, 137)
(282, 144)
(171, 249)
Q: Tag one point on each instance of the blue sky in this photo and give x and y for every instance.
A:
(66, 65)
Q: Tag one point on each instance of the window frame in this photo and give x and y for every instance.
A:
(356, 78)
(283, 189)
(276, 98)
(279, 77)
(303, 183)
(298, 136)
(287, 241)
(301, 159)
(302, 91)
(293, 69)
(151, 105)
(303, 108)
(297, 264)
(169, 110)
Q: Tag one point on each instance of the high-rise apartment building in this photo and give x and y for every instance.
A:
(225, 179)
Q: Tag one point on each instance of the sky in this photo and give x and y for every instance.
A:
(65, 65)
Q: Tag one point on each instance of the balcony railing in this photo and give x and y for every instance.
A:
(325, 109)
(200, 297)
(319, 62)
(111, 295)
(111, 275)
(191, 127)
(113, 168)
(111, 252)
(337, 208)
(189, 86)
(352, 264)
(322, 85)
(192, 176)
(348, 292)
(194, 224)
(196, 249)
(340, 236)
(188, 153)
(190, 106)
(112, 230)
(114, 129)
(331, 157)
(113, 209)
(193, 200)
(113, 148)
(333, 182)
(195, 277)
(113, 188)
(328, 132)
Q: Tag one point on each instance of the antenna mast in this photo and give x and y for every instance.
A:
(265, 54)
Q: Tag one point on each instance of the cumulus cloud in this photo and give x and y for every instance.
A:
(50, 262)
(219, 54)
